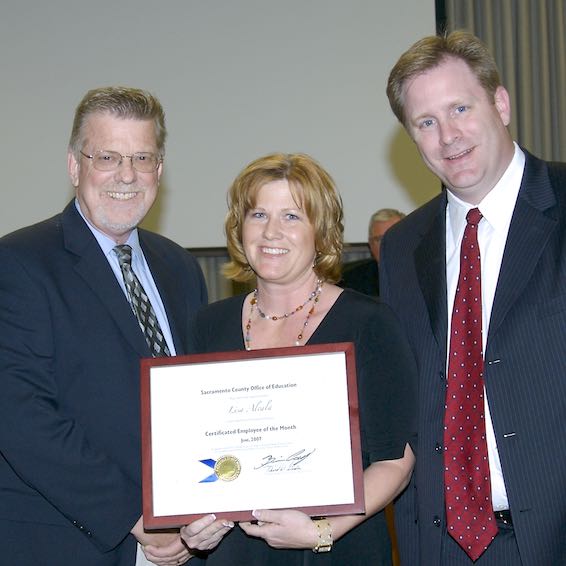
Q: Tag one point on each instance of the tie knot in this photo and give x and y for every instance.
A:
(124, 253)
(474, 216)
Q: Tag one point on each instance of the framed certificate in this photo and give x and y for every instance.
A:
(227, 433)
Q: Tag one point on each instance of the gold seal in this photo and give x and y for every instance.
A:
(227, 468)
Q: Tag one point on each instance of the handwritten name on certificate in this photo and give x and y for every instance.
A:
(262, 433)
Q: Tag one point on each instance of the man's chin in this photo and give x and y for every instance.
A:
(117, 229)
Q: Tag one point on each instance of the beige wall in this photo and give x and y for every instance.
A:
(238, 79)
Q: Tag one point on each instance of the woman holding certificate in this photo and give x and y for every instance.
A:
(284, 229)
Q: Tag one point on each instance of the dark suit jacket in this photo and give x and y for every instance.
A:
(69, 376)
(525, 365)
(362, 276)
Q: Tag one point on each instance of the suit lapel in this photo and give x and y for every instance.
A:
(430, 265)
(531, 226)
(93, 267)
(171, 295)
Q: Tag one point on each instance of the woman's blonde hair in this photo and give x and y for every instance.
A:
(314, 191)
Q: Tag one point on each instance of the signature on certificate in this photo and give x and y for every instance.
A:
(286, 463)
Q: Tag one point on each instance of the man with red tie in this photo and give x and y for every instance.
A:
(478, 278)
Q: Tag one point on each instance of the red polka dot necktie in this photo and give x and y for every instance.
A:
(469, 511)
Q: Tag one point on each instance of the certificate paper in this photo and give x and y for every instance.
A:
(267, 429)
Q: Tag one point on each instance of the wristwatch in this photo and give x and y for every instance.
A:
(325, 541)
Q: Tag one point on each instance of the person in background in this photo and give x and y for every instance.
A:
(83, 296)
(477, 277)
(363, 276)
(284, 229)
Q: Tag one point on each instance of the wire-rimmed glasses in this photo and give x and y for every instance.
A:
(144, 162)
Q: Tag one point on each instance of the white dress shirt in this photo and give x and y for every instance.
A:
(497, 209)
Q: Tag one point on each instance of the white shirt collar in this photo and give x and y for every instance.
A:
(498, 205)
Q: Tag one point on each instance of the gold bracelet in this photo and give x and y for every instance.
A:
(325, 541)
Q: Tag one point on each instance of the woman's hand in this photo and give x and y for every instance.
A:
(205, 533)
(283, 529)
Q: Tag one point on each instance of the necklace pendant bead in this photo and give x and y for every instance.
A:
(254, 305)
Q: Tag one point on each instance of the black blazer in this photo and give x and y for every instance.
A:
(525, 370)
(362, 276)
(69, 373)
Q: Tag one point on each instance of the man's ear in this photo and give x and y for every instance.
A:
(73, 167)
(159, 171)
(503, 104)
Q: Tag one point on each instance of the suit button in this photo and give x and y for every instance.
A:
(438, 448)
(436, 521)
(441, 375)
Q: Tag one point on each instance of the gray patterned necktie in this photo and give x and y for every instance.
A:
(141, 305)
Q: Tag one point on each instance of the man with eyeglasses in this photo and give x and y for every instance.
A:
(71, 338)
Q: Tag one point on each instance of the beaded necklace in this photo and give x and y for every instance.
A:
(276, 317)
(314, 296)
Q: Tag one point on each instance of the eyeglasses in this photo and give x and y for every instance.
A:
(110, 160)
